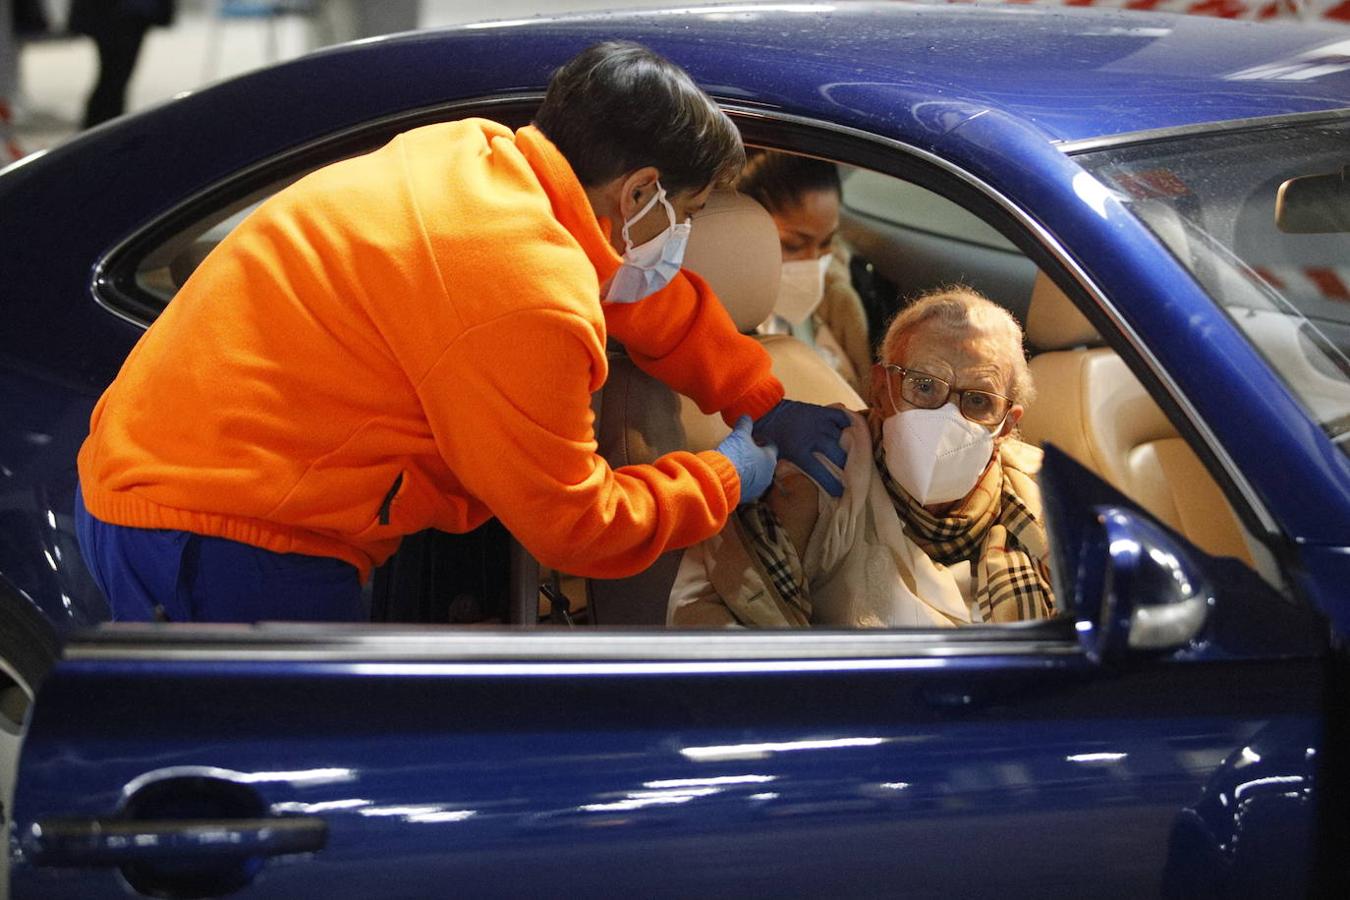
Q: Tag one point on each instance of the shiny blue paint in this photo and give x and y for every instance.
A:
(39, 556)
(1037, 775)
(887, 769)
(1322, 576)
(1257, 808)
(1041, 773)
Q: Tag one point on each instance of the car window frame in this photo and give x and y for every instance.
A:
(114, 286)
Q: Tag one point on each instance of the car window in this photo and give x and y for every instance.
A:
(922, 240)
(902, 237)
(910, 206)
(144, 273)
(164, 269)
(1228, 205)
(916, 239)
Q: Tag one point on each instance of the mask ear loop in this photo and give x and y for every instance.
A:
(998, 432)
(670, 210)
(646, 208)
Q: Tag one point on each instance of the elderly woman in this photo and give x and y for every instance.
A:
(940, 523)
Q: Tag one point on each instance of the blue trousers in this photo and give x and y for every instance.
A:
(176, 576)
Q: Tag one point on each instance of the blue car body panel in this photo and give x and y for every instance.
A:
(900, 72)
(902, 778)
(927, 775)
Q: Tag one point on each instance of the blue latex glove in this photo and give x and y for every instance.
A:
(801, 430)
(754, 464)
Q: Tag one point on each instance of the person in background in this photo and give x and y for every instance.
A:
(816, 302)
(350, 20)
(21, 21)
(940, 523)
(118, 28)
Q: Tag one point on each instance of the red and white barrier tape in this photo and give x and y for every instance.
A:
(1259, 10)
(9, 145)
(1327, 282)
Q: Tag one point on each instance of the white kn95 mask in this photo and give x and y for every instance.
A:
(936, 455)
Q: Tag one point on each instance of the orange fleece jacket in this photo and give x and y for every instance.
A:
(409, 339)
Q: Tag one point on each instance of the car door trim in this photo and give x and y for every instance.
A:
(1147, 136)
(788, 650)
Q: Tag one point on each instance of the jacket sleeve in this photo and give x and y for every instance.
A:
(694, 602)
(509, 405)
(683, 336)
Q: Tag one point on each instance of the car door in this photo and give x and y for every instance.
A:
(1113, 752)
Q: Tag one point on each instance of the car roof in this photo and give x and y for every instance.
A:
(1073, 73)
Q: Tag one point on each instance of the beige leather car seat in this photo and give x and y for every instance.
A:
(734, 246)
(1091, 406)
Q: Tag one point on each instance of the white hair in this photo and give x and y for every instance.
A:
(962, 309)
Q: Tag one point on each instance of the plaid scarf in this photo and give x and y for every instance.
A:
(1006, 539)
(996, 528)
(773, 552)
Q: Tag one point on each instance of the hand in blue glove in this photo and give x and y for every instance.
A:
(754, 464)
(801, 430)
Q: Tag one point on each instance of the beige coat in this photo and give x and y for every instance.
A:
(862, 569)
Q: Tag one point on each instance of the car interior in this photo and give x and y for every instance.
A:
(1090, 404)
(1260, 220)
(903, 239)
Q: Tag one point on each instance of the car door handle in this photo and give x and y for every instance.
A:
(117, 842)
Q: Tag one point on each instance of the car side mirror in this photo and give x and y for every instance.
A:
(1314, 204)
(1131, 584)
(1138, 588)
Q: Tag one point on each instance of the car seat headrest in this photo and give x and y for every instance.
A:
(1053, 322)
(734, 247)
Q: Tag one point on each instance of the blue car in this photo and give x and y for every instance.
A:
(1162, 201)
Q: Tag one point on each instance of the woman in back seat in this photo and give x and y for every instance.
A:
(816, 301)
(941, 521)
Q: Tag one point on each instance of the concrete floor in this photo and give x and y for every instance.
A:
(56, 75)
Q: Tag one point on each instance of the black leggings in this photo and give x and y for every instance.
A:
(119, 43)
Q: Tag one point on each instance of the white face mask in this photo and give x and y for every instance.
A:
(936, 455)
(801, 287)
(649, 266)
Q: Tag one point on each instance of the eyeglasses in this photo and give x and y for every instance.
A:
(930, 392)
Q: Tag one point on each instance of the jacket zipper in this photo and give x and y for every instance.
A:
(389, 499)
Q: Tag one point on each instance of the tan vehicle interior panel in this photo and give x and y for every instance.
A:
(1091, 406)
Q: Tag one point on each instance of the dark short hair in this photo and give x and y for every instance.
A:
(778, 180)
(618, 106)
